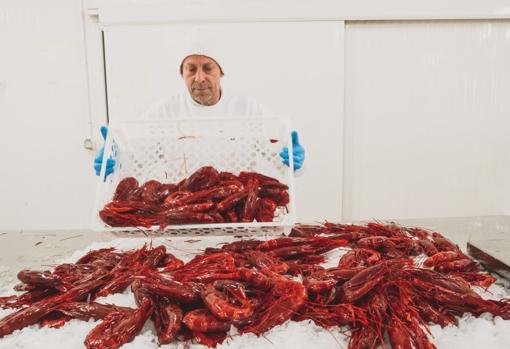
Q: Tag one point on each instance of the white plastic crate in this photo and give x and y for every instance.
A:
(172, 149)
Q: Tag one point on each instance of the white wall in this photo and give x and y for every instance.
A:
(46, 179)
(427, 119)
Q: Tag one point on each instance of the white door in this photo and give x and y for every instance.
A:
(292, 68)
(427, 119)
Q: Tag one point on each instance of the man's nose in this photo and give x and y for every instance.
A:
(199, 76)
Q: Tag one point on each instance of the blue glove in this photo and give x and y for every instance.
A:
(298, 152)
(98, 161)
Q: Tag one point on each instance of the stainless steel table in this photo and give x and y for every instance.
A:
(40, 249)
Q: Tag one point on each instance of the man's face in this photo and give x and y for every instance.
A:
(202, 76)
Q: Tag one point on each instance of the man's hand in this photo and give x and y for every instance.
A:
(298, 152)
(98, 161)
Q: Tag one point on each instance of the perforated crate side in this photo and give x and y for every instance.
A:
(172, 149)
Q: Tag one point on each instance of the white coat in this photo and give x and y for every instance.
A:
(183, 106)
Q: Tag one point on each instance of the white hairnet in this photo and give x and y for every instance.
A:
(201, 42)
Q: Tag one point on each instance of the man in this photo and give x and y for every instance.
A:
(202, 75)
